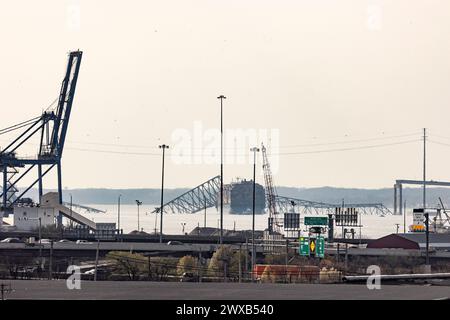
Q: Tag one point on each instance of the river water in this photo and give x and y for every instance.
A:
(373, 226)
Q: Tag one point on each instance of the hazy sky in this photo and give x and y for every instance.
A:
(339, 89)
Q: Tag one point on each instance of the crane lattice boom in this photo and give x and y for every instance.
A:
(271, 194)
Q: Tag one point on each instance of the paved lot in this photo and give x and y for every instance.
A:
(43, 289)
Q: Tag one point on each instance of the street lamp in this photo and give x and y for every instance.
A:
(71, 203)
(40, 236)
(221, 97)
(138, 203)
(156, 220)
(118, 213)
(427, 236)
(161, 208)
(254, 150)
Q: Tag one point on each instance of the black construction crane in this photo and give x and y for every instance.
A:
(274, 222)
(51, 129)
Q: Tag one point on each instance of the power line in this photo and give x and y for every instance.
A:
(232, 148)
(116, 152)
(440, 143)
(350, 148)
(349, 141)
(272, 154)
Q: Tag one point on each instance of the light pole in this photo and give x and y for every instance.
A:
(204, 218)
(254, 150)
(40, 242)
(424, 168)
(427, 236)
(71, 203)
(39, 235)
(138, 203)
(118, 213)
(221, 97)
(156, 220)
(161, 208)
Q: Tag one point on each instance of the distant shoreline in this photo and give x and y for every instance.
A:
(413, 196)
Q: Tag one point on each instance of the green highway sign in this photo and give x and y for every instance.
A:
(320, 247)
(312, 246)
(316, 221)
(304, 246)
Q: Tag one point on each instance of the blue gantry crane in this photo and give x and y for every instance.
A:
(51, 129)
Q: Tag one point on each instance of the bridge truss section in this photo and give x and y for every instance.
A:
(203, 196)
(287, 204)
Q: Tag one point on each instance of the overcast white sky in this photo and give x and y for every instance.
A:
(317, 72)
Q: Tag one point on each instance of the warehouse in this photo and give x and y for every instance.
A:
(412, 241)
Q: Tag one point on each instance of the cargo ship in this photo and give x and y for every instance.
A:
(241, 197)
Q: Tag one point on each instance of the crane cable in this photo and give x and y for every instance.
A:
(18, 125)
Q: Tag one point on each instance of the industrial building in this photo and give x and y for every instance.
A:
(412, 241)
(28, 217)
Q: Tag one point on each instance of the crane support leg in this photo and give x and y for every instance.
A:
(59, 218)
(5, 187)
(40, 182)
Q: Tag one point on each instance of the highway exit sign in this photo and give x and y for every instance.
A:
(304, 246)
(320, 247)
(316, 221)
(310, 246)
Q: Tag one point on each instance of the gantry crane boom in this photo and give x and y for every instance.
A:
(52, 127)
(271, 194)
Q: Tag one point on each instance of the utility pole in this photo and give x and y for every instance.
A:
(346, 258)
(156, 220)
(204, 222)
(118, 213)
(254, 150)
(342, 218)
(427, 231)
(71, 203)
(287, 260)
(221, 97)
(424, 168)
(138, 203)
(404, 217)
(427, 218)
(50, 264)
(200, 266)
(96, 260)
(149, 268)
(40, 242)
(338, 252)
(246, 254)
(161, 208)
(240, 263)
